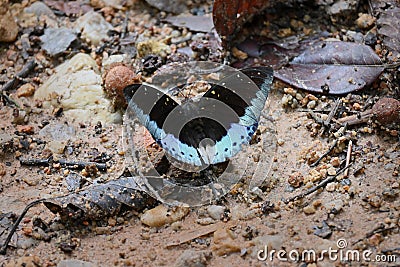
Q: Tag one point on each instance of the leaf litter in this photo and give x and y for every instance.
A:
(333, 68)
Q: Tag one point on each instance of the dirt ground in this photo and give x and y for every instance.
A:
(358, 213)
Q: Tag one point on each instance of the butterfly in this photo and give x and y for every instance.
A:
(210, 130)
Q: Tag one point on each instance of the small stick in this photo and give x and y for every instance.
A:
(63, 162)
(316, 118)
(348, 158)
(315, 188)
(325, 154)
(3, 248)
(338, 102)
(11, 84)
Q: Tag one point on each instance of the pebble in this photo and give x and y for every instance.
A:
(356, 37)
(27, 129)
(216, 212)
(309, 209)
(331, 187)
(296, 179)
(365, 21)
(331, 171)
(335, 162)
(8, 26)
(312, 104)
(31, 180)
(93, 27)
(79, 82)
(39, 9)
(162, 215)
(25, 90)
(154, 47)
(193, 258)
(336, 204)
(239, 54)
(56, 41)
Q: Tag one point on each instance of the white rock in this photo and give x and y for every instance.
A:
(76, 88)
(215, 211)
(93, 27)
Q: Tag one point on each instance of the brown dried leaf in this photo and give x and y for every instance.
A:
(333, 67)
(101, 200)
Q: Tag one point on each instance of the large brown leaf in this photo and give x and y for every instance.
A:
(333, 67)
(389, 22)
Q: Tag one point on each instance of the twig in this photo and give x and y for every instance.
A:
(325, 154)
(11, 84)
(125, 26)
(316, 118)
(318, 186)
(379, 229)
(332, 113)
(63, 162)
(348, 158)
(3, 248)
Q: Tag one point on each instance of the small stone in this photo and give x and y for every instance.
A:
(193, 258)
(30, 180)
(334, 205)
(375, 201)
(357, 106)
(290, 91)
(27, 129)
(25, 90)
(56, 41)
(331, 187)
(163, 214)
(40, 9)
(309, 210)
(335, 162)
(93, 27)
(280, 142)
(8, 26)
(331, 171)
(154, 47)
(239, 54)
(312, 104)
(216, 212)
(365, 21)
(296, 179)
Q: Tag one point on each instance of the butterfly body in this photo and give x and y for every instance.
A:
(211, 129)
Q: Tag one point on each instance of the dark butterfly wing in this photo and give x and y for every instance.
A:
(152, 108)
(245, 94)
(211, 130)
